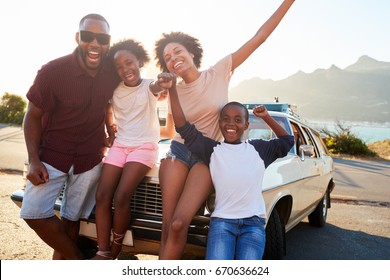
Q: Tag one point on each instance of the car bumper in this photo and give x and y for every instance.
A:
(144, 233)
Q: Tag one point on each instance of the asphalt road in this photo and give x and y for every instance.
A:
(364, 181)
(352, 232)
(13, 151)
(358, 225)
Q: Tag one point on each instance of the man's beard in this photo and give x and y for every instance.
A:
(83, 57)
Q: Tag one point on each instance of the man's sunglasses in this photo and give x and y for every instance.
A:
(88, 37)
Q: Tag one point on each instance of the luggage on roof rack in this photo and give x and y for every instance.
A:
(290, 109)
(278, 107)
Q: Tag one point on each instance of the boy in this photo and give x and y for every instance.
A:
(237, 169)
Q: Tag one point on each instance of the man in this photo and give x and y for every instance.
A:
(64, 132)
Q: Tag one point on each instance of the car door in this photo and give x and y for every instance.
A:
(325, 161)
(306, 194)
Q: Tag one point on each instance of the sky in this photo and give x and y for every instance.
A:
(314, 34)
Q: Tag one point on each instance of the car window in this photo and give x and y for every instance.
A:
(298, 136)
(320, 143)
(310, 140)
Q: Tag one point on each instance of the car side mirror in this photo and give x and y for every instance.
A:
(306, 151)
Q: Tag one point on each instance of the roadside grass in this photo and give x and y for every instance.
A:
(381, 148)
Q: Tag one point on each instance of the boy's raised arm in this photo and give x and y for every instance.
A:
(261, 112)
(177, 112)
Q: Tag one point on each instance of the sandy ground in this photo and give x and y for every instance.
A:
(18, 241)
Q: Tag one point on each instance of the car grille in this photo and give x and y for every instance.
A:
(146, 200)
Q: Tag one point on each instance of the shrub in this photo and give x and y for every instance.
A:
(343, 141)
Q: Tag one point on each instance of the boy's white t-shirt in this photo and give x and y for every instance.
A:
(238, 193)
(135, 113)
(203, 99)
(236, 170)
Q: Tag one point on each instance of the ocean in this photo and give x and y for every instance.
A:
(367, 132)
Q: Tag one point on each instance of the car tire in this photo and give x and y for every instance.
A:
(275, 246)
(318, 217)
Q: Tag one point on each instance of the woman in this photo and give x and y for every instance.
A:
(185, 180)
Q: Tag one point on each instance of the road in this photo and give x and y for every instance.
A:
(364, 181)
(358, 225)
(13, 151)
(352, 232)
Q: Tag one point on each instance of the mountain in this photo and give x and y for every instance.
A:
(360, 92)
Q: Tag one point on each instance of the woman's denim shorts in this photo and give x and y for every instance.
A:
(179, 151)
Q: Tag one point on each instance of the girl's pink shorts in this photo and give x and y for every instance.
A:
(146, 154)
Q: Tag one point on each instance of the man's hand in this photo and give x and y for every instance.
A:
(37, 174)
(109, 141)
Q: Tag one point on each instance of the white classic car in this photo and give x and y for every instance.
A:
(295, 187)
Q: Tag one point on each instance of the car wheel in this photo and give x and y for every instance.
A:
(275, 246)
(318, 217)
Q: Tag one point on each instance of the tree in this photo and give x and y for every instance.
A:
(12, 109)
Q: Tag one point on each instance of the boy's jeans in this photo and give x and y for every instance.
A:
(240, 239)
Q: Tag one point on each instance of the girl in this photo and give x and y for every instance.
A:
(133, 141)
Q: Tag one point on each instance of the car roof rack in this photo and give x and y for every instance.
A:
(290, 109)
(277, 107)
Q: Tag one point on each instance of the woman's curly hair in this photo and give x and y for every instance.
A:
(132, 46)
(190, 43)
